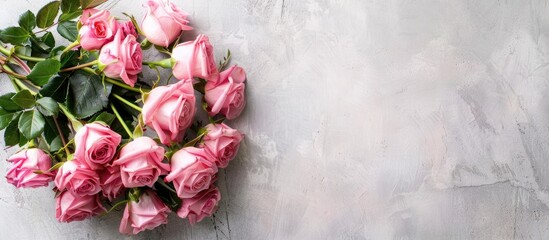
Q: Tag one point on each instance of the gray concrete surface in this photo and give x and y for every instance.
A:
(367, 119)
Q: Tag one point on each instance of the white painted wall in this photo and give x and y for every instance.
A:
(367, 119)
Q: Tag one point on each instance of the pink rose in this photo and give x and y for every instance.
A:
(226, 95)
(25, 162)
(128, 28)
(200, 206)
(192, 171)
(194, 59)
(111, 182)
(170, 110)
(78, 179)
(97, 30)
(71, 207)
(222, 143)
(149, 213)
(96, 145)
(86, 13)
(141, 163)
(122, 58)
(163, 22)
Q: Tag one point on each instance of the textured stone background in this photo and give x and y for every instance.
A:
(367, 119)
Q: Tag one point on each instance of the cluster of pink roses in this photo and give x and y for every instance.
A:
(101, 169)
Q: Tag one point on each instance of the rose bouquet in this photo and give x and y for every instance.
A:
(79, 113)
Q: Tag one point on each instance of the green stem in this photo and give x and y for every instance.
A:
(121, 121)
(123, 85)
(165, 63)
(18, 81)
(75, 123)
(114, 207)
(85, 65)
(127, 102)
(14, 83)
(7, 52)
(116, 82)
(60, 134)
(72, 45)
(8, 71)
(195, 140)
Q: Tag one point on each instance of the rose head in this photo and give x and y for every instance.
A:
(226, 95)
(163, 22)
(77, 178)
(192, 171)
(122, 58)
(111, 182)
(149, 213)
(71, 207)
(25, 162)
(200, 206)
(141, 163)
(169, 110)
(87, 13)
(128, 28)
(96, 145)
(97, 29)
(194, 59)
(222, 142)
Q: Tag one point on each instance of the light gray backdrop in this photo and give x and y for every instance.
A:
(366, 119)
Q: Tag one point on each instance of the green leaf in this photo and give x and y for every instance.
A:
(69, 16)
(69, 59)
(5, 118)
(38, 46)
(24, 99)
(27, 21)
(49, 40)
(7, 104)
(105, 117)
(138, 131)
(43, 71)
(87, 94)
(52, 135)
(14, 35)
(68, 6)
(50, 131)
(22, 140)
(46, 15)
(90, 3)
(56, 88)
(68, 30)
(11, 135)
(56, 144)
(31, 124)
(47, 106)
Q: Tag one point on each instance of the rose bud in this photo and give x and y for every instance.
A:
(25, 163)
(121, 58)
(87, 13)
(96, 145)
(226, 95)
(128, 28)
(169, 110)
(222, 142)
(149, 213)
(111, 182)
(77, 178)
(194, 59)
(200, 206)
(97, 30)
(163, 22)
(71, 207)
(141, 163)
(192, 171)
